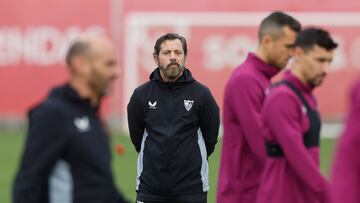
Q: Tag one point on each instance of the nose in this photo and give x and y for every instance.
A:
(172, 60)
(116, 72)
(119, 72)
(326, 68)
(116, 75)
(172, 56)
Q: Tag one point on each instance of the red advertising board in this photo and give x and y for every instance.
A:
(34, 35)
(219, 41)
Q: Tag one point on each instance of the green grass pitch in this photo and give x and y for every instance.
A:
(124, 166)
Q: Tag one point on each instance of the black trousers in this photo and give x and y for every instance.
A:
(151, 198)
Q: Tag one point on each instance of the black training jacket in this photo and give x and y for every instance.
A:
(174, 127)
(66, 158)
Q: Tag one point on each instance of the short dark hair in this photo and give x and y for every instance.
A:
(309, 37)
(169, 36)
(77, 48)
(274, 23)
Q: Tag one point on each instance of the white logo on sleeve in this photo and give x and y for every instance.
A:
(152, 105)
(82, 123)
(139, 201)
(303, 109)
(267, 91)
(188, 104)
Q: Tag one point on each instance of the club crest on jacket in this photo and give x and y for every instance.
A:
(188, 104)
(82, 123)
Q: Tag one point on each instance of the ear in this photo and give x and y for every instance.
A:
(156, 59)
(80, 65)
(298, 52)
(266, 41)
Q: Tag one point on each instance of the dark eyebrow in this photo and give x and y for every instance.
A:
(290, 46)
(322, 59)
(111, 62)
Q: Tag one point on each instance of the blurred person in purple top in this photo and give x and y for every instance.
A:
(292, 126)
(346, 173)
(243, 151)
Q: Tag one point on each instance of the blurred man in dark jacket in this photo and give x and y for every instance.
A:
(67, 155)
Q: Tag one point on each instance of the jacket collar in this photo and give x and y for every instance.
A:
(67, 92)
(186, 77)
(297, 82)
(266, 69)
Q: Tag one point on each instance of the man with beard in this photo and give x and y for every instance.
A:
(173, 124)
(243, 151)
(292, 126)
(66, 158)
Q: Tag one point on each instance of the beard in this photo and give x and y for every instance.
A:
(278, 64)
(99, 85)
(277, 61)
(172, 71)
(317, 81)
